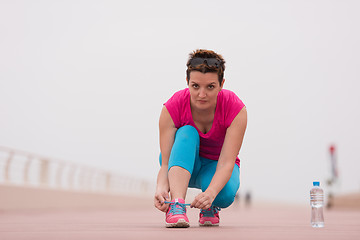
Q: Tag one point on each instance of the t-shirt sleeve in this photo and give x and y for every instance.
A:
(173, 107)
(233, 107)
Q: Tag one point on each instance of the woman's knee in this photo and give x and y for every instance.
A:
(187, 132)
(225, 197)
(185, 137)
(185, 149)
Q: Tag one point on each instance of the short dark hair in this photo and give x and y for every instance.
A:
(204, 68)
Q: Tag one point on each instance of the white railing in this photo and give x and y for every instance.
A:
(27, 169)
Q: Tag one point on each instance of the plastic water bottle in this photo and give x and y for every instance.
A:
(317, 203)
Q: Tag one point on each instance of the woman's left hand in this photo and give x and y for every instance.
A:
(203, 201)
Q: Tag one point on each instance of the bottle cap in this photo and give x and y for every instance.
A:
(316, 184)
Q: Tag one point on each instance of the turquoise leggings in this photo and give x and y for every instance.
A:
(185, 154)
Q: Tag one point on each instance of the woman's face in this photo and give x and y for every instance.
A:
(204, 88)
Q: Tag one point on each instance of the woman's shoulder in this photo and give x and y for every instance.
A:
(231, 105)
(176, 106)
(228, 96)
(180, 95)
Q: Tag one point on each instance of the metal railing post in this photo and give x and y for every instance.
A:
(44, 172)
(7, 167)
(26, 170)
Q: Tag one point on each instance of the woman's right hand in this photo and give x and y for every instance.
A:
(159, 200)
(167, 136)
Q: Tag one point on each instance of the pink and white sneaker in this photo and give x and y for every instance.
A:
(176, 214)
(209, 217)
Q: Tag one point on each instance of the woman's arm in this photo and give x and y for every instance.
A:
(167, 135)
(231, 147)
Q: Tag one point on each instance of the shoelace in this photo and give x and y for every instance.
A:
(177, 208)
(210, 212)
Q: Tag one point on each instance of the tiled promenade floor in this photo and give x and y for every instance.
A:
(148, 223)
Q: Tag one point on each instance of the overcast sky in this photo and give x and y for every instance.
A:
(84, 81)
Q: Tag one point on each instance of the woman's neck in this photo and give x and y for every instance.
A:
(202, 113)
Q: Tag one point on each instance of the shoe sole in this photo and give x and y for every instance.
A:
(181, 223)
(208, 224)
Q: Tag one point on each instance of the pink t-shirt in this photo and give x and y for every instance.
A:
(228, 105)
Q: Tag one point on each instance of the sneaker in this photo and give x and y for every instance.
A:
(176, 214)
(209, 217)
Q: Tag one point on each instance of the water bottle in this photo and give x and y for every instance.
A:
(317, 203)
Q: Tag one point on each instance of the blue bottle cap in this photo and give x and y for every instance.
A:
(316, 184)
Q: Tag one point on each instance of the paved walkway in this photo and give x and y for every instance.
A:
(148, 223)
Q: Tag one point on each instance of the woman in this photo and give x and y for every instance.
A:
(201, 132)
